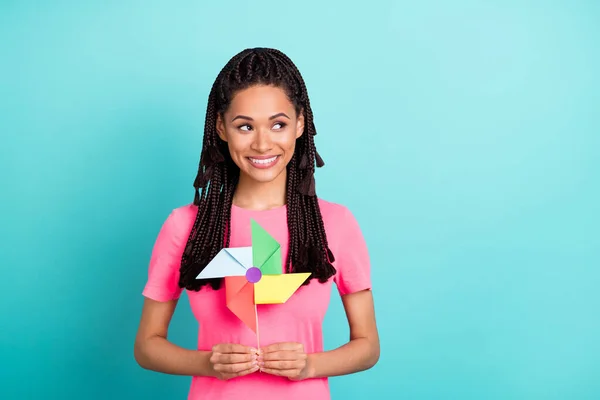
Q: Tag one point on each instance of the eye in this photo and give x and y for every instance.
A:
(245, 127)
(279, 125)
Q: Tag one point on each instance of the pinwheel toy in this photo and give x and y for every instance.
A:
(253, 275)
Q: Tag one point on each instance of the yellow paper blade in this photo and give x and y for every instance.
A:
(276, 289)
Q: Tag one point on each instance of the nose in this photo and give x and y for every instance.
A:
(262, 141)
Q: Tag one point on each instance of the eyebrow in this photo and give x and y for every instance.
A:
(250, 119)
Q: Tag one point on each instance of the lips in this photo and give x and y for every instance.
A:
(263, 161)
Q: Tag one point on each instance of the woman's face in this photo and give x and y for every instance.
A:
(261, 128)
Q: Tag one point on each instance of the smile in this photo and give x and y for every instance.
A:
(263, 162)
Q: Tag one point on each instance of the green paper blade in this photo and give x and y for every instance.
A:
(273, 264)
(263, 247)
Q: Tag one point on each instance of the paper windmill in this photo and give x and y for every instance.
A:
(253, 275)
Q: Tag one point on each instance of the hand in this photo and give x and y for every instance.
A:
(229, 361)
(285, 359)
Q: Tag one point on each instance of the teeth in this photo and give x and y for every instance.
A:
(265, 161)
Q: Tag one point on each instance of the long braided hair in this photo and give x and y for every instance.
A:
(308, 250)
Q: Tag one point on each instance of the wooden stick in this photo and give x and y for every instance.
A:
(257, 332)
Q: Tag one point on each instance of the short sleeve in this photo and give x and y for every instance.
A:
(163, 271)
(352, 259)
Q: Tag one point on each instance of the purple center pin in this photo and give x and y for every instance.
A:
(253, 274)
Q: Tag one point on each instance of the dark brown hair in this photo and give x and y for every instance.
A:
(308, 250)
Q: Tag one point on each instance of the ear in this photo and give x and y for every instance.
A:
(221, 128)
(300, 124)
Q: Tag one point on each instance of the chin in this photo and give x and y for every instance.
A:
(264, 177)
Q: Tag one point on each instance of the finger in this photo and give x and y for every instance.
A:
(281, 372)
(234, 368)
(228, 376)
(285, 346)
(283, 365)
(233, 348)
(231, 358)
(284, 355)
(248, 371)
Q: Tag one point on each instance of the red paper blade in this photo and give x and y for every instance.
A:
(240, 299)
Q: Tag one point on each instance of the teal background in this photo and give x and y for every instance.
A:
(463, 135)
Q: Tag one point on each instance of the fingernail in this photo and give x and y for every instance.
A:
(253, 350)
(254, 362)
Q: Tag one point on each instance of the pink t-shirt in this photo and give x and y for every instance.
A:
(298, 320)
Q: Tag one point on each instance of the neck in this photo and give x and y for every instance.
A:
(254, 195)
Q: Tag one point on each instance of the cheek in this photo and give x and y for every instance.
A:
(289, 142)
(236, 145)
(237, 151)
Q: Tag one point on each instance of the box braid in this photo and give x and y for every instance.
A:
(308, 249)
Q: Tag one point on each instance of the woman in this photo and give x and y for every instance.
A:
(257, 162)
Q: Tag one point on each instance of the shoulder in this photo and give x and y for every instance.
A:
(330, 209)
(348, 245)
(181, 219)
(337, 217)
(184, 213)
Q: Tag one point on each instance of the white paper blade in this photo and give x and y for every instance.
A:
(221, 266)
(242, 254)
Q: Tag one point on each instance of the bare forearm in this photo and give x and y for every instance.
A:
(158, 354)
(355, 356)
